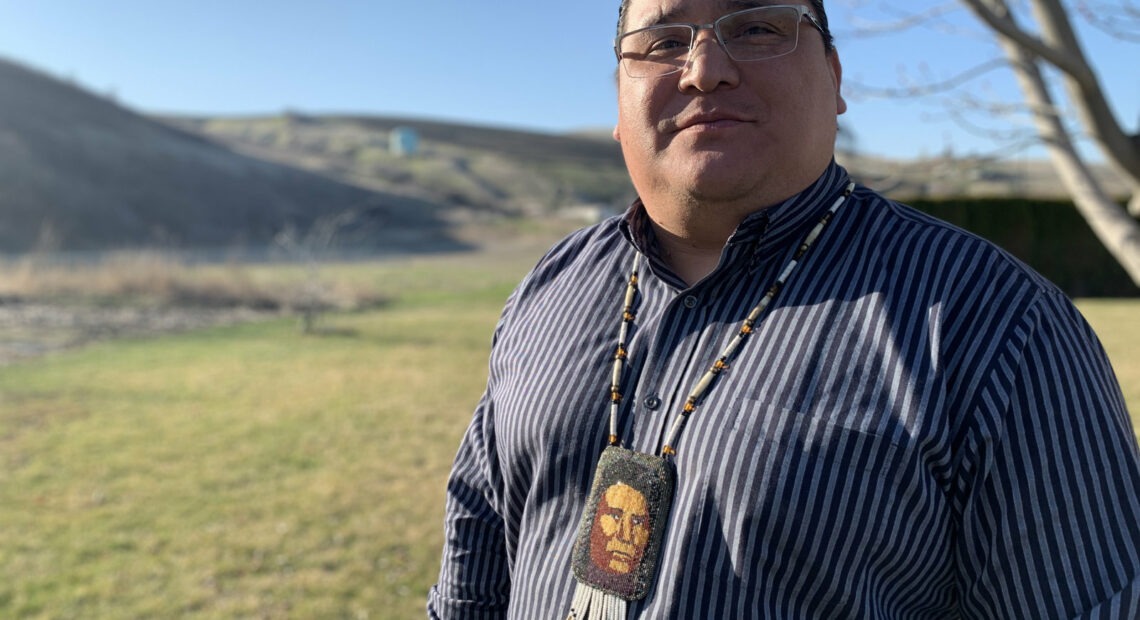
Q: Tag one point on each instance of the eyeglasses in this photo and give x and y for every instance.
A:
(752, 34)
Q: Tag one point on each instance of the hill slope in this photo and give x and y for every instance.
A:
(480, 169)
(521, 173)
(78, 172)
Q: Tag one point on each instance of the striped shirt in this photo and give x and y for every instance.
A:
(920, 427)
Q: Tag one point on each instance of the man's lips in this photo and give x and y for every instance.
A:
(709, 121)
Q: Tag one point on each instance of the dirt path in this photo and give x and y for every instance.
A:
(30, 330)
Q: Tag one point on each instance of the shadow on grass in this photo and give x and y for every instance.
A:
(332, 331)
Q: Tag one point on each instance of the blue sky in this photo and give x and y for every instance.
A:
(517, 63)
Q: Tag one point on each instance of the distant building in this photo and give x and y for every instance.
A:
(403, 141)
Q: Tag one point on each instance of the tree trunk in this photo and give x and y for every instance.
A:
(1122, 150)
(1115, 228)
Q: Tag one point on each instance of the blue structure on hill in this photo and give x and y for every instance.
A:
(403, 141)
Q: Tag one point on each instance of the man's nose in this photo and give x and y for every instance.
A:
(709, 66)
(625, 529)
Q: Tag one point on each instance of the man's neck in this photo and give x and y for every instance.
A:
(691, 252)
(693, 230)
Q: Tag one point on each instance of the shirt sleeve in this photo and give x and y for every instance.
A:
(1051, 528)
(475, 571)
(474, 578)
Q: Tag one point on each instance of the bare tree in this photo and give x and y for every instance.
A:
(312, 247)
(1042, 41)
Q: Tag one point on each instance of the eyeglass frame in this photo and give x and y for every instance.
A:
(695, 29)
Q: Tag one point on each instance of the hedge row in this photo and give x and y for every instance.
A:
(1049, 235)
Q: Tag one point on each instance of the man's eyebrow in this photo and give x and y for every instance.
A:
(661, 16)
(738, 5)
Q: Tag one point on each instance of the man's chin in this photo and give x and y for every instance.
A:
(621, 565)
(708, 172)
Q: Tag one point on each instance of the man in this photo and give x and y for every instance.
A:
(868, 413)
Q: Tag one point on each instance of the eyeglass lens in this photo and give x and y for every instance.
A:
(753, 34)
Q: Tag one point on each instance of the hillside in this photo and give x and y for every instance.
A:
(485, 170)
(78, 172)
(518, 173)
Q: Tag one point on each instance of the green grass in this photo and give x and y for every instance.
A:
(248, 471)
(1115, 322)
(255, 472)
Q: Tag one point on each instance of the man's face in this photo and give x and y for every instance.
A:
(723, 130)
(621, 530)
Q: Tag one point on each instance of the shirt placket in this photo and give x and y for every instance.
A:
(677, 341)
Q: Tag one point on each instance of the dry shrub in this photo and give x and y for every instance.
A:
(157, 279)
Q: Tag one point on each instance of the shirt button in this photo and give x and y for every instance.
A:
(652, 402)
(690, 302)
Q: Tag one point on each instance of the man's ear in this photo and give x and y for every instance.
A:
(837, 78)
(617, 133)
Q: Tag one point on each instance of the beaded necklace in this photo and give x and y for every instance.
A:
(721, 364)
(619, 537)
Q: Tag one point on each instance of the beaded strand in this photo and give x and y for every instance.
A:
(622, 353)
(721, 364)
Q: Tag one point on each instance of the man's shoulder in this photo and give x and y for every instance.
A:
(602, 237)
(584, 253)
(923, 241)
(580, 249)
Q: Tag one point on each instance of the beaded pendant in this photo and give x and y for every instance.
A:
(619, 537)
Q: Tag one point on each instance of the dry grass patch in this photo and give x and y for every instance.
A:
(159, 279)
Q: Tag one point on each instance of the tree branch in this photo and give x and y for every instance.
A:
(1119, 233)
(1005, 25)
(1060, 48)
(959, 114)
(905, 21)
(1086, 94)
(1112, 20)
(931, 88)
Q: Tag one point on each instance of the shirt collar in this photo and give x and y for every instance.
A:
(768, 230)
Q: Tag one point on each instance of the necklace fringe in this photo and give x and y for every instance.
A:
(593, 604)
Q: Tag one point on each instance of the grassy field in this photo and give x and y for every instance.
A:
(1115, 323)
(248, 471)
(257, 472)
